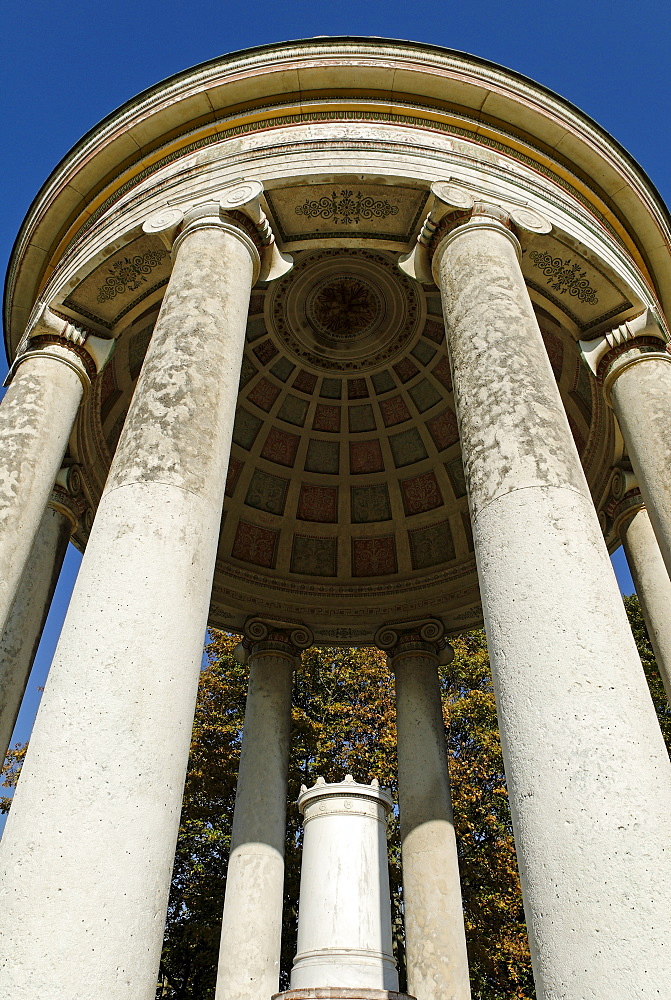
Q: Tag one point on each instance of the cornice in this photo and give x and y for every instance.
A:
(391, 63)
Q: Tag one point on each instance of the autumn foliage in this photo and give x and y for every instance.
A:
(344, 722)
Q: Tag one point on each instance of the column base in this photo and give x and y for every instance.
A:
(340, 993)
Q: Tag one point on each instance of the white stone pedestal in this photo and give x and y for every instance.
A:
(344, 917)
(341, 993)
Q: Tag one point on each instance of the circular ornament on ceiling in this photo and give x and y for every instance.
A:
(345, 310)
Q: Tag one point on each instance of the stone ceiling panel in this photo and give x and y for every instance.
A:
(346, 209)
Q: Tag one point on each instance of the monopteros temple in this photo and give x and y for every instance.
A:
(339, 341)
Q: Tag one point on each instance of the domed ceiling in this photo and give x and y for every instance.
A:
(345, 501)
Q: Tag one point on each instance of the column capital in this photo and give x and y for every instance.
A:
(67, 497)
(625, 498)
(417, 635)
(57, 337)
(273, 634)
(454, 210)
(237, 210)
(636, 340)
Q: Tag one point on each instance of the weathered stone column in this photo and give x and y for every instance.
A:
(633, 365)
(46, 385)
(652, 582)
(88, 850)
(23, 632)
(435, 939)
(588, 774)
(344, 915)
(251, 932)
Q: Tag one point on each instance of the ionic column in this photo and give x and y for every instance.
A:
(435, 939)
(23, 632)
(633, 365)
(251, 932)
(88, 850)
(46, 385)
(588, 774)
(651, 580)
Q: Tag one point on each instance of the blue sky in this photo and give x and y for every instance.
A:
(64, 64)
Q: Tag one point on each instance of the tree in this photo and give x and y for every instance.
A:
(644, 646)
(10, 773)
(344, 722)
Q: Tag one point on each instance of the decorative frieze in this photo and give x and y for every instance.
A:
(129, 273)
(564, 276)
(346, 209)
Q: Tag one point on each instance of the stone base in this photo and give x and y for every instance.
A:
(340, 993)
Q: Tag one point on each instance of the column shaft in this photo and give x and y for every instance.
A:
(641, 398)
(23, 632)
(653, 588)
(36, 418)
(249, 957)
(588, 774)
(88, 850)
(435, 944)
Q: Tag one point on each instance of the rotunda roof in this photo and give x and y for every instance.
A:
(345, 502)
(254, 87)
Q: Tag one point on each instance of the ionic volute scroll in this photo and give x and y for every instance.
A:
(67, 496)
(237, 206)
(415, 634)
(47, 329)
(452, 205)
(294, 636)
(627, 344)
(624, 500)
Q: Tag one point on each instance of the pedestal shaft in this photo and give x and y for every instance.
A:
(344, 917)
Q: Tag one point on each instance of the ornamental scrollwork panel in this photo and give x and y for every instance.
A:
(346, 209)
(564, 276)
(129, 273)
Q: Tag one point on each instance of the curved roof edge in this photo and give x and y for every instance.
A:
(320, 44)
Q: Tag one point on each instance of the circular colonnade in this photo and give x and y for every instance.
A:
(369, 335)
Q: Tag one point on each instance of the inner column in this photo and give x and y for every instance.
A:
(251, 932)
(19, 641)
(435, 938)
